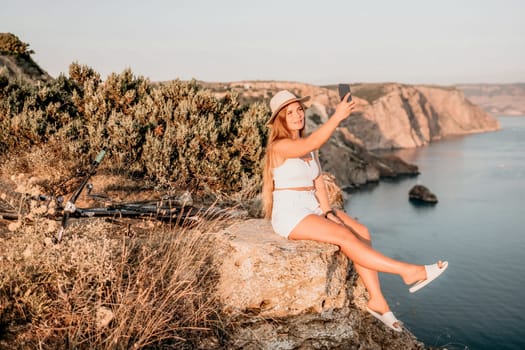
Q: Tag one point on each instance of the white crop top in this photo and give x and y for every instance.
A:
(295, 172)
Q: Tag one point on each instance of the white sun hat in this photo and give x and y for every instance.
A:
(282, 99)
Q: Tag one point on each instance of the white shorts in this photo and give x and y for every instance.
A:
(290, 207)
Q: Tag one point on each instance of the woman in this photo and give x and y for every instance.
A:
(296, 200)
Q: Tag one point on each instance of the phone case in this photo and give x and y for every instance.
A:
(343, 90)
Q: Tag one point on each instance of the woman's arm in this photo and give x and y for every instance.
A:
(288, 148)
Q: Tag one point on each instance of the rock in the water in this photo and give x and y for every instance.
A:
(420, 193)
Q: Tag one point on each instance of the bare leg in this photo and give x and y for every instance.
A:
(370, 278)
(356, 244)
(359, 230)
(317, 228)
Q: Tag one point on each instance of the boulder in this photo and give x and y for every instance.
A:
(284, 294)
(270, 276)
(420, 193)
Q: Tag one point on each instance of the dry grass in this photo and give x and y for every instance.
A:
(109, 287)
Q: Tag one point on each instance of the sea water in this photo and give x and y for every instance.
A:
(478, 226)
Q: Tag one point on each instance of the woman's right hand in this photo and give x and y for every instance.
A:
(343, 108)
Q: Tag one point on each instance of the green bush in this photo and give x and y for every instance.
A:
(176, 134)
(11, 44)
(30, 114)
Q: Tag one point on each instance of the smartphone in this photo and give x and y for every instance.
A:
(343, 90)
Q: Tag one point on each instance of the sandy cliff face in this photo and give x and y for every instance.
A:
(414, 116)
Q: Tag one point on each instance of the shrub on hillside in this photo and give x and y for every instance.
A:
(31, 114)
(11, 44)
(175, 134)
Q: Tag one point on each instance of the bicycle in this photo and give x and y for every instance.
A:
(18, 206)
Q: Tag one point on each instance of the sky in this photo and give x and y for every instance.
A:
(320, 42)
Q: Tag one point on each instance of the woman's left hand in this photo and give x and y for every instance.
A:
(344, 108)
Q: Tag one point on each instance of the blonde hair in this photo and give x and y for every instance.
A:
(278, 131)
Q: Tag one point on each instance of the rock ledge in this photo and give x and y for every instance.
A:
(284, 294)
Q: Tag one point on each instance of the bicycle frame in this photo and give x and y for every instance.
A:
(70, 204)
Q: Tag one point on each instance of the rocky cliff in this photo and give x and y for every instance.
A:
(387, 116)
(413, 116)
(283, 294)
(498, 99)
